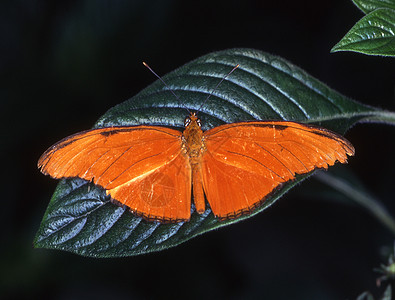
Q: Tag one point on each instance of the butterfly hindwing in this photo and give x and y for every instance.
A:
(162, 195)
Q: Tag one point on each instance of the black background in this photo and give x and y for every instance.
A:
(64, 63)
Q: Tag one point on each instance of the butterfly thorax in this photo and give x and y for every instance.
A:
(193, 139)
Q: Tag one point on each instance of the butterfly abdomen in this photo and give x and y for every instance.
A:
(194, 147)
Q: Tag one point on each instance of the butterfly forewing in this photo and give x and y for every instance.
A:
(245, 162)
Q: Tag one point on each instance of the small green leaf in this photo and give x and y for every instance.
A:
(367, 6)
(80, 217)
(374, 34)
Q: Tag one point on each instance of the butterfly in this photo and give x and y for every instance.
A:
(154, 170)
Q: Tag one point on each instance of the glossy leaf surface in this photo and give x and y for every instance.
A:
(80, 217)
(367, 6)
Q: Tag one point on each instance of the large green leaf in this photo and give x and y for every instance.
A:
(374, 34)
(80, 217)
(368, 6)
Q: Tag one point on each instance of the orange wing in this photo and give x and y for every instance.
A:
(141, 167)
(245, 162)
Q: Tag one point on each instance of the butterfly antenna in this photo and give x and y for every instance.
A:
(165, 84)
(212, 92)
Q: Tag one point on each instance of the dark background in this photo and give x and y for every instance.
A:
(64, 63)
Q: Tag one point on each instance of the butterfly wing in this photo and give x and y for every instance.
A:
(141, 167)
(245, 162)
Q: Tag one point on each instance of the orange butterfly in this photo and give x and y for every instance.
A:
(152, 169)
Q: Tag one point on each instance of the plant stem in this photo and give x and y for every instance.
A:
(371, 204)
